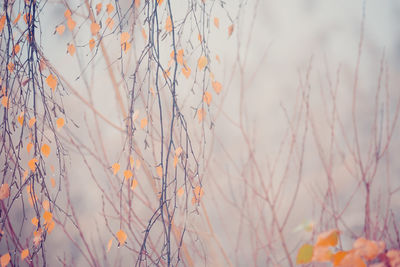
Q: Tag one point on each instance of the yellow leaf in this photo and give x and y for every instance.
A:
(53, 182)
(46, 205)
(35, 221)
(159, 171)
(51, 81)
(329, 238)
(71, 50)
(121, 236)
(115, 168)
(60, 29)
(134, 184)
(98, 8)
(180, 192)
(32, 164)
(168, 24)
(24, 254)
(230, 30)
(207, 97)
(5, 259)
(110, 8)
(31, 122)
(216, 22)
(217, 86)
(127, 174)
(45, 150)
(94, 28)
(60, 123)
(29, 147)
(4, 191)
(92, 43)
(71, 24)
(143, 123)
(109, 244)
(305, 254)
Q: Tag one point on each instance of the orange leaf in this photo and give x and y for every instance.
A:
(71, 49)
(94, 28)
(110, 23)
(131, 162)
(368, 249)
(35, 221)
(109, 244)
(159, 171)
(115, 168)
(144, 34)
(178, 151)
(2, 22)
(121, 236)
(124, 37)
(218, 59)
(328, 239)
(67, 14)
(321, 254)
(16, 49)
(47, 216)
(24, 254)
(338, 257)
(201, 113)
(168, 24)
(92, 43)
(143, 123)
(10, 67)
(4, 101)
(230, 30)
(134, 184)
(180, 192)
(71, 24)
(217, 86)
(207, 97)
(4, 191)
(51, 81)
(60, 29)
(20, 118)
(127, 174)
(216, 22)
(98, 8)
(202, 62)
(53, 182)
(46, 205)
(110, 8)
(175, 161)
(45, 150)
(159, 2)
(32, 164)
(31, 122)
(5, 259)
(353, 260)
(198, 193)
(50, 226)
(16, 19)
(137, 3)
(29, 147)
(60, 123)
(186, 71)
